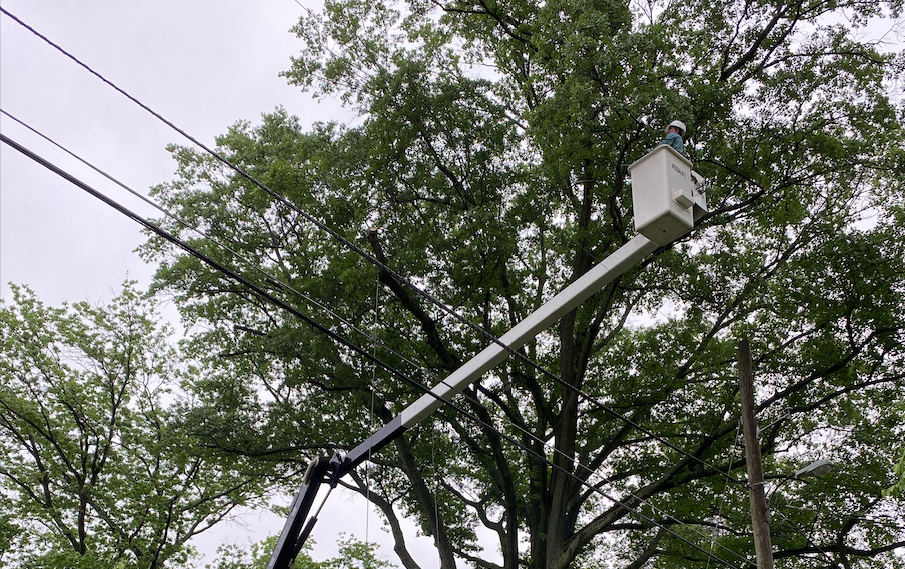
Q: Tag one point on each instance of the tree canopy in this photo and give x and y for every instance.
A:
(486, 172)
(353, 554)
(96, 471)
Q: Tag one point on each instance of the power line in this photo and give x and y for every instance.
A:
(370, 258)
(190, 227)
(282, 304)
(216, 265)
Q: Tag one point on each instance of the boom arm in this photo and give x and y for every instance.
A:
(627, 256)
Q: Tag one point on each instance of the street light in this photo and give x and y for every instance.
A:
(817, 468)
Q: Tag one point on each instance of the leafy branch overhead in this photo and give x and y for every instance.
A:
(489, 159)
(98, 469)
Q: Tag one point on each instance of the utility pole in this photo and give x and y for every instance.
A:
(763, 547)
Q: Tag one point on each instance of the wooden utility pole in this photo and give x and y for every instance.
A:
(763, 547)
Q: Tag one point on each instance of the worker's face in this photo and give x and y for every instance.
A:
(674, 129)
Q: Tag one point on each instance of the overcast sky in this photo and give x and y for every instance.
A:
(201, 64)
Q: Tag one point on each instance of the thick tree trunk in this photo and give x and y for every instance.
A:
(562, 484)
(427, 502)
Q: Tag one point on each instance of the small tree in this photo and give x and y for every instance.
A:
(95, 470)
(353, 554)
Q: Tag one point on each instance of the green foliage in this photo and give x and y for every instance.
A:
(353, 554)
(231, 556)
(97, 471)
(490, 161)
(898, 489)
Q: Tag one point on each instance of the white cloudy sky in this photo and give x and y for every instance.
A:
(203, 65)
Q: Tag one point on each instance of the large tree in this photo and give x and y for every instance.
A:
(489, 159)
(95, 471)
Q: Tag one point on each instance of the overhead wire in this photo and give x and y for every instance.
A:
(270, 276)
(361, 351)
(719, 513)
(383, 267)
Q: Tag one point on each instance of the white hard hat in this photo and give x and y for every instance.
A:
(679, 125)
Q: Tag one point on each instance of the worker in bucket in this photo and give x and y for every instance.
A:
(674, 133)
